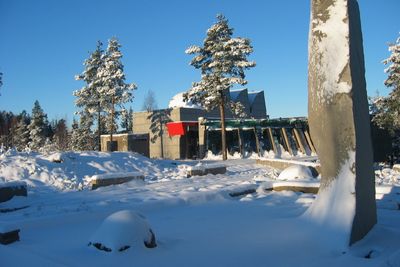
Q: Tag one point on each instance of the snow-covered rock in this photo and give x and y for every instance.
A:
(55, 157)
(296, 172)
(122, 230)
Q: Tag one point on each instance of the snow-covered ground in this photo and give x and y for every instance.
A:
(195, 220)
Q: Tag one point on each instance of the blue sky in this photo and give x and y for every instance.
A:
(44, 43)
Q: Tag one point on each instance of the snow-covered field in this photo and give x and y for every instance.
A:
(195, 220)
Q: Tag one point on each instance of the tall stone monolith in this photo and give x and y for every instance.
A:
(339, 120)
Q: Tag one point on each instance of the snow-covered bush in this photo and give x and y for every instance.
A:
(122, 230)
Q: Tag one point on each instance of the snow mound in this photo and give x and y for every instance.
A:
(178, 102)
(295, 172)
(55, 157)
(122, 230)
(335, 207)
(74, 170)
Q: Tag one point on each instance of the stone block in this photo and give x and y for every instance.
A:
(204, 170)
(11, 189)
(114, 178)
(9, 237)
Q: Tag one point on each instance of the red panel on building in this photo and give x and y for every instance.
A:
(179, 127)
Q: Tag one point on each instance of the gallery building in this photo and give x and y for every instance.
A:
(186, 131)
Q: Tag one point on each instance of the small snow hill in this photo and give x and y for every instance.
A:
(73, 170)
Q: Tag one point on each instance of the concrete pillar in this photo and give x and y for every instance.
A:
(339, 120)
(202, 138)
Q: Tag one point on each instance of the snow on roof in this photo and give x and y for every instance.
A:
(178, 102)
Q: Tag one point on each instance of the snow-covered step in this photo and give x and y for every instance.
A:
(10, 189)
(282, 164)
(304, 186)
(107, 179)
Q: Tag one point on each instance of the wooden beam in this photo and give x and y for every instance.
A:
(257, 141)
(299, 140)
(310, 144)
(240, 142)
(286, 139)
(271, 138)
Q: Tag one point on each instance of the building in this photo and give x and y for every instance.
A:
(186, 131)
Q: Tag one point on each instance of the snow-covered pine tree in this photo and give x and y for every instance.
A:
(82, 137)
(127, 120)
(388, 108)
(22, 131)
(13, 129)
(37, 127)
(150, 102)
(75, 138)
(114, 92)
(222, 61)
(88, 98)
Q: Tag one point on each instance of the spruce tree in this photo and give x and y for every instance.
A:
(37, 127)
(75, 136)
(81, 135)
(22, 131)
(222, 61)
(85, 133)
(60, 137)
(13, 132)
(114, 91)
(388, 108)
(88, 98)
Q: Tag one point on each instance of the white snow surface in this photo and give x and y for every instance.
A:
(196, 221)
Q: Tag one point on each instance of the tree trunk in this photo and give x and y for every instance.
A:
(257, 142)
(223, 131)
(112, 122)
(161, 139)
(98, 126)
(240, 143)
